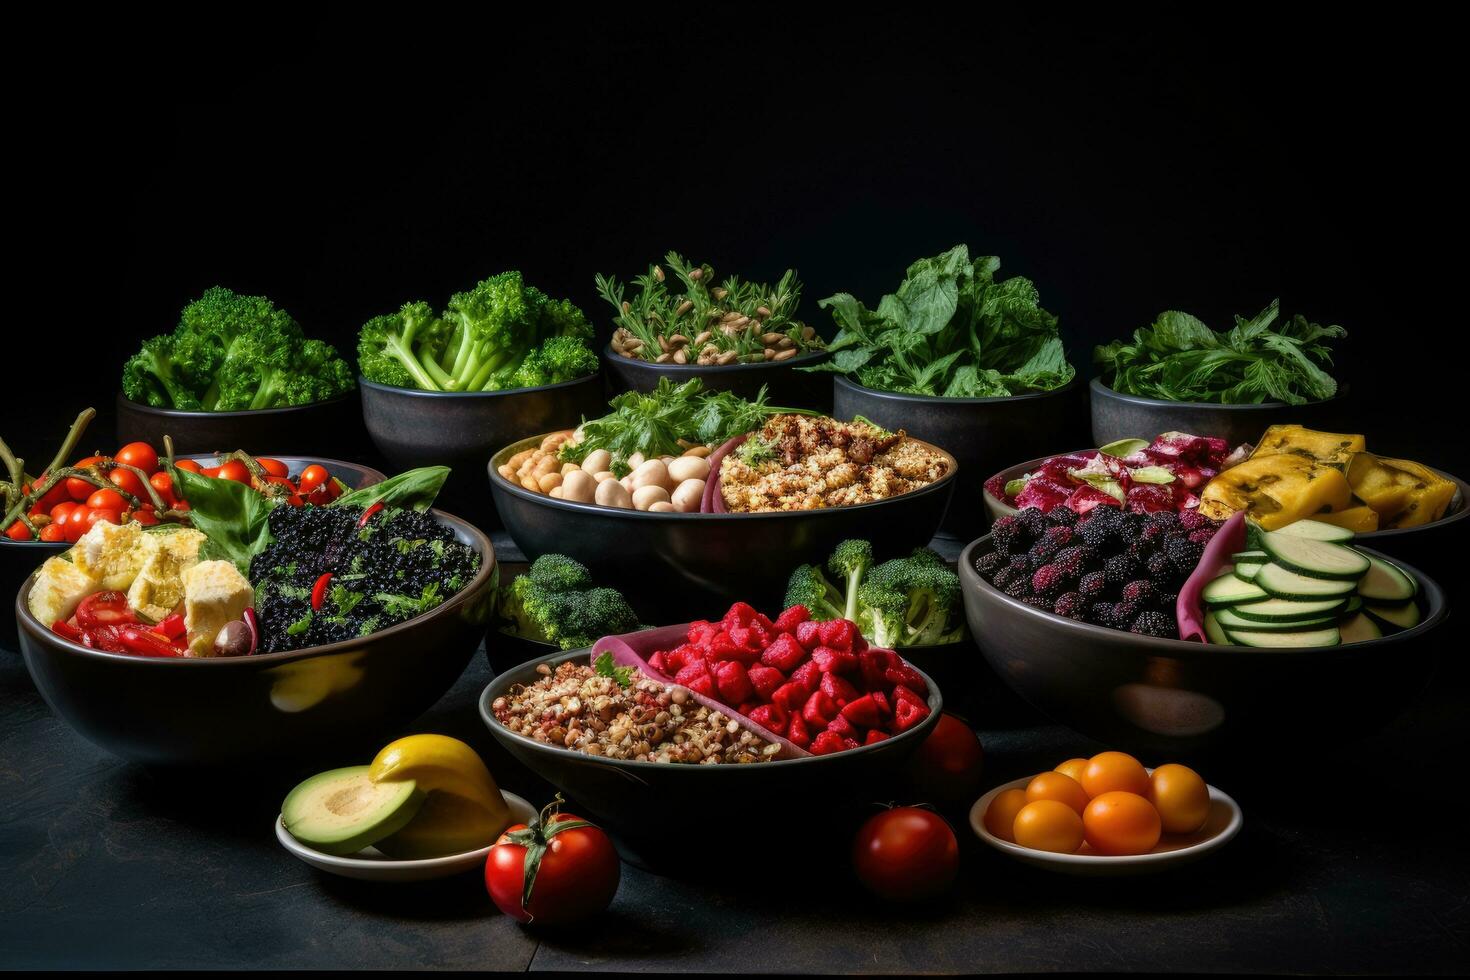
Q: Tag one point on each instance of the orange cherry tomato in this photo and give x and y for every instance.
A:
(1074, 768)
(17, 531)
(272, 466)
(1109, 771)
(164, 484)
(1121, 823)
(1057, 786)
(59, 512)
(53, 532)
(76, 523)
(312, 477)
(235, 470)
(188, 464)
(139, 454)
(76, 487)
(128, 481)
(1000, 816)
(1049, 825)
(1181, 797)
(108, 500)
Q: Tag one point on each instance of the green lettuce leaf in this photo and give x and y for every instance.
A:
(411, 489)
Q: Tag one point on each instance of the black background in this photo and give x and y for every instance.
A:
(343, 163)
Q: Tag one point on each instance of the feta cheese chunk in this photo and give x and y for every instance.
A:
(214, 594)
(110, 554)
(60, 587)
(166, 556)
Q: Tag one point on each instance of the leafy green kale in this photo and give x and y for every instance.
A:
(1257, 360)
(951, 330)
(232, 352)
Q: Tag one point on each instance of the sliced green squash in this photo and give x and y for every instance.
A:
(1231, 620)
(1279, 609)
(1214, 633)
(1228, 590)
(1359, 628)
(1319, 559)
(1329, 637)
(1283, 584)
(1384, 581)
(1404, 617)
(1317, 531)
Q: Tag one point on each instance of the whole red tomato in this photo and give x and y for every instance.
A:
(948, 765)
(572, 872)
(906, 854)
(139, 454)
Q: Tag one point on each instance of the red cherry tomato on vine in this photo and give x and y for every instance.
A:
(59, 512)
(76, 523)
(312, 477)
(164, 484)
(188, 464)
(77, 488)
(108, 514)
(17, 531)
(272, 466)
(144, 517)
(107, 499)
(235, 470)
(211, 471)
(906, 854)
(53, 532)
(574, 870)
(56, 495)
(139, 454)
(128, 481)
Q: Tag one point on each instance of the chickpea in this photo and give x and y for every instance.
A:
(578, 486)
(548, 482)
(651, 474)
(556, 492)
(635, 461)
(597, 461)
(555, 439)
(646, 497)
(661, 507)
(603, 476)
(700, 451)
(569, 468)
(611, 493)
(688, 468)
(687, 496)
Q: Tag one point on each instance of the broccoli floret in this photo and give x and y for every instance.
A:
(809, 587)
(881, 610)
(555, 601)
(149, 377)
(911, 601)
(403, 348)
(567, 358)
(849, 561)
(559, 574)
(493, 326)
(594, 614)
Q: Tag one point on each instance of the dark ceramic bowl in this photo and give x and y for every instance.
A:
(1174, 697)
(461, 429)
(506, 650)
(19, 559)
(674, 565)
(304, 430)
(1116, 416)
(191, 712)
(648, 807)
(785, 385)
(983, 433)
(1434, 547)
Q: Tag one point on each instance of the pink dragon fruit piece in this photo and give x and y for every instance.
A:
(1043, 494)
(1191, 476)
(1057, 466)
(996, 487)
(1219, 449)
(1181, 445)
(1183, 498)
(1145, 498)
(1086, 497)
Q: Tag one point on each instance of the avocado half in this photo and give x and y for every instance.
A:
(343, 811)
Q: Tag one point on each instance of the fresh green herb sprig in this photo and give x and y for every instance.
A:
(1257, 360)
(603, 666)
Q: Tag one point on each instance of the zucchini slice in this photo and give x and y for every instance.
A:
(1231, 620)
(1247, 571)
(1386, 582)
(1227, 590)
(1316, 530)
(1361, 627)
(1404, 617)
(1318, 559)
(1329, 637)
(1283, 584)
(1288, 609)
(1255, 555)
(1354, 603)
(1214, 633)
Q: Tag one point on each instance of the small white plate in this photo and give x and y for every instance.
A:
(370, 864)
(1223, 823)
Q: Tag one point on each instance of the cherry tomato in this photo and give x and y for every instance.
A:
(573, 870)
(56, 495)
(139, 454)
(1074, 768)
(906, 854)
(211, 471)
(1000, 816)
(104, 609)
(164, 485)
(1109, 771)
(59, 512)
(272, 466)
(320, 496)
(311, 478)
(1121, 823)
(144, 517)
(76, 523)
(235, 470)
(1060, 787)
(128, 481)
(17, 531)
(53, 532)
(95, 514)
(77, 488)
(188, 464)
(109, 499)
(947, 766)
(1181, 797)
(1049, 825)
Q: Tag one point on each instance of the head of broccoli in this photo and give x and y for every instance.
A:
(809, 587)
(905, 602)
(403, 349)
(556, 602)
(849, 561)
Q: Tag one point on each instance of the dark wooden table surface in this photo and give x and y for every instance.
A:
(1353, 859)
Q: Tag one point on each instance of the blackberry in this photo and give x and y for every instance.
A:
(1021, 562)
(1073, 605)
(989, 564)
(1202, 536)
(1140, 590)
(1005, 577)
(1039, 603)
(1019, 589)
(1050, 580)
(1153, 534)
(1007, 534)
(1065, 516)
(1164, 518)
(1078, 557)
(1100, 527)
(1120, 570)
(1155, 624)
(1125, 611)
(1184, 553)
(1160, 568)
(1033, 523)
(1167, 601)
(1192, 519)
(1054, 540)
(1093, 584)
(1101, 613)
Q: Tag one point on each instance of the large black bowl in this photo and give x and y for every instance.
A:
(324, 428)
(650, 807)
(688, 565)
(1117, 416)
(1174, 697)
(785, 385)
(983, 433)
(18, 559)
(303, 703)
(461, 429)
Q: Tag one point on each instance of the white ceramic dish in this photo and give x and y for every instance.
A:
(1223, 823)
(372, 865)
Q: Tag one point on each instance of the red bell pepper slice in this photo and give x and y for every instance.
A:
(367, 515)
(319, 590)
(171, 626)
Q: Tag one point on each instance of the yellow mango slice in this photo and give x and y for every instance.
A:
(1359, 519)
(1276, 490)
(1428, 493)
(1334, 449)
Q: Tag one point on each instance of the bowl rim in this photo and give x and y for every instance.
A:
(1437, 611)
(500, 483)
(1462, 491)
(365, 385)
(1100, 387)
(500, 683)
(611, 356)
(901, 396)
(488, 565)
(186, 413)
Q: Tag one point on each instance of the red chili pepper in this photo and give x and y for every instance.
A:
(367, 515)
(252, 624)
(171, 626)
(62, 628)
(319, 590)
